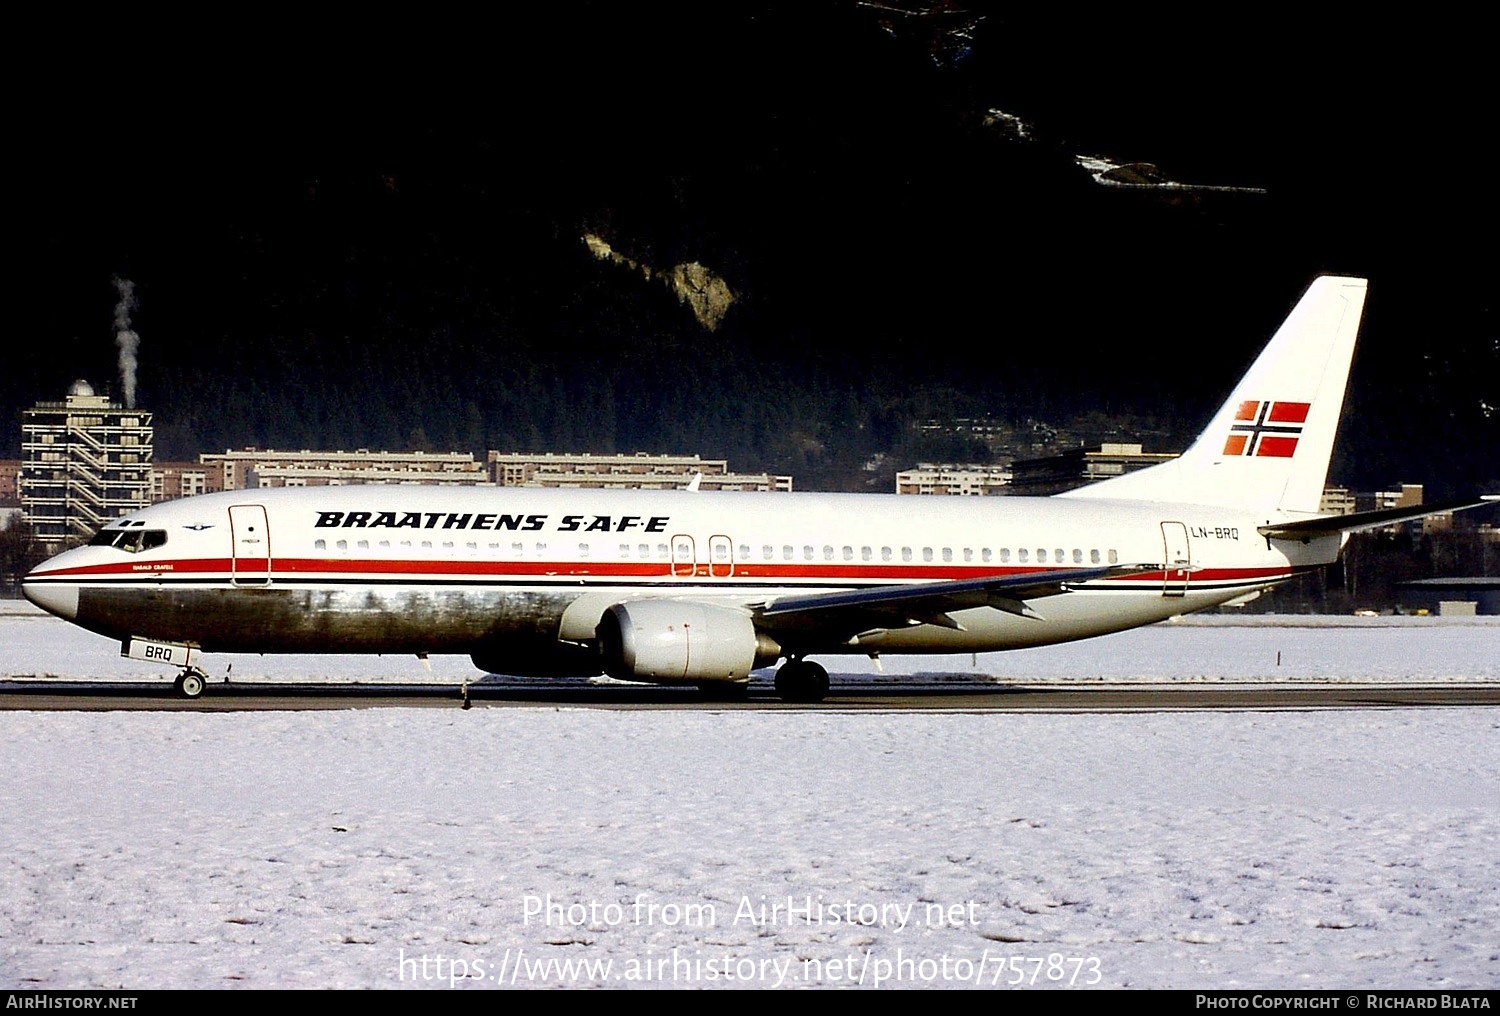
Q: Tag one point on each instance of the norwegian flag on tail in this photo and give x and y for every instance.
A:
(1267, 429)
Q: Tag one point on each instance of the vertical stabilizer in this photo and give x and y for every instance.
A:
(1269, 444)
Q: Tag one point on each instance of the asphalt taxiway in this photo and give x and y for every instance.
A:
(845, 695)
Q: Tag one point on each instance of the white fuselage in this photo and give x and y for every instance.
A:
(495, 569)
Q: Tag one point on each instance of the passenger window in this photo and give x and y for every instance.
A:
(661, 551)
(827, 552)
(865, 553)
(1059, 556)
(768, 553)
(1004, 555)
(1077, 556)
(342, 545)
(1041, 555)
(787, 553)
(744, 552)
(644, 550)
(906, 553)
(947, 553)
(721, 552)
(624, 550)
(1021, 555)
(885, 553)
(848, 553)
(1114, 558)
(320, 545)
(807, 552)
(1093, 557)
(926, 553)
(583, 550)
(984, 555)
(362, 544)
(385, 543)
(968, 553)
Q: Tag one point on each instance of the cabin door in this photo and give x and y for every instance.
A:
(250, 536)
(1174, 536)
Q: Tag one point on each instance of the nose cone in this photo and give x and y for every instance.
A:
(56, 596)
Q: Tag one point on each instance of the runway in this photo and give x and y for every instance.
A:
(853, 695)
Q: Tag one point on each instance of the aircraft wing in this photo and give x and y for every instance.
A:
(860, 610)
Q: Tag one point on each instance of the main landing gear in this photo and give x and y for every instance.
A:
(801, 681)
(191, 682)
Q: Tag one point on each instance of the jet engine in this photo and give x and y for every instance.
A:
(670, 640)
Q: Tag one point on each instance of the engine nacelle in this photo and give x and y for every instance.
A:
(668, 641)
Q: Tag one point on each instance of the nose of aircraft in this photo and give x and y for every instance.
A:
(54, 596)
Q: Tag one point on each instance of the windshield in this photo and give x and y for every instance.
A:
(132, 540)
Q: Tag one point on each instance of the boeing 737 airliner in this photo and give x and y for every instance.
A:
(703, 588)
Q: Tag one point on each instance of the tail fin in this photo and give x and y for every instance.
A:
(1269, 444)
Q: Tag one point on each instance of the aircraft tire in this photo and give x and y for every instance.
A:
(801, 681)
(190, 684)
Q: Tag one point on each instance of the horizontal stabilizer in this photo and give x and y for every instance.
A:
(1307, 529)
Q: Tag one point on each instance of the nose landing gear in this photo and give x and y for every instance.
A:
(191, 682)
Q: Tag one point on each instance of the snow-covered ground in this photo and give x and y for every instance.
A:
(408, 848)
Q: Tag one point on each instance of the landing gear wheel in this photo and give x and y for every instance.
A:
(801, 681)
(190, 683)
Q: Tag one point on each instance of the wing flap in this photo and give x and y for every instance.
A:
(847, 612)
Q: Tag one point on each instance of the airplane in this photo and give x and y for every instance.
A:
(701, 588)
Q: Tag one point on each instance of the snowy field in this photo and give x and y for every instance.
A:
(573, 847)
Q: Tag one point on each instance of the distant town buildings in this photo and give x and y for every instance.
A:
(1449, 597)
(1079, 467)
(250, 468)
(171, 480)
(638, 470)
(1404, 495)
(1337, 501)
(10, 474)
(85, 460)
(263, 467)
(970, 480)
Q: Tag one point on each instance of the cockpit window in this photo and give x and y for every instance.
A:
(131, 540)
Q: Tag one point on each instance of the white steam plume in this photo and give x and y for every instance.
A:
(127, 340)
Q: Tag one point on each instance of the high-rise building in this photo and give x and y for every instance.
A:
(85, 460)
